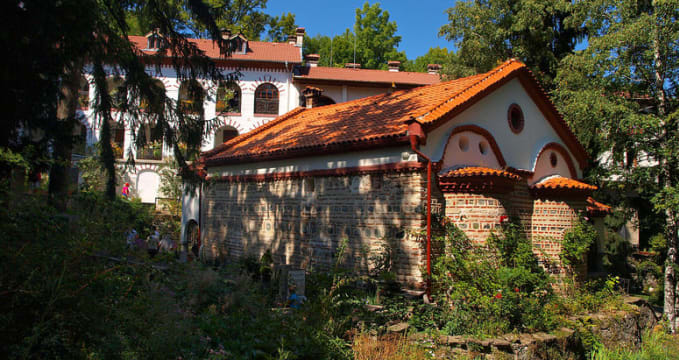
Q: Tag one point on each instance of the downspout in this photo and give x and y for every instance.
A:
(416, 134)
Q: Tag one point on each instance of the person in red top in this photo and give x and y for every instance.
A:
(126, 190)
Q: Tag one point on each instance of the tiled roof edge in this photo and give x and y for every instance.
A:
(252, 133)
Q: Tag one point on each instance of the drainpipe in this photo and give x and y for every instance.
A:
(417, 135)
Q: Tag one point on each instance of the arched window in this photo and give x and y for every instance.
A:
(118, 139)
(228, 97)
(84, 93)
(224, 134)
(155, 103)
(191, 96)
(117, 91)
(152, 138)
(266, 99)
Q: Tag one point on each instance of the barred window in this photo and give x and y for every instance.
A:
(266, 99)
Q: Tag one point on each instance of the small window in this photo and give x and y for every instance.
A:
(155, 103)
(553, 160)
(228, 98)
(153, 143)
(463, 143)
(84, 93)
(155, 42)
(118, 140)
(117, 91)
(225, 134)
(191, 96)
(483, 147)
(266, 99)
(515, 118)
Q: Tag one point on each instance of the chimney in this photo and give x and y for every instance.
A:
(312, 95)
(291, 39)
(394, 65)
(352, 66)
(433, 68)
(226, 33)
(312, 59)
(299, 32)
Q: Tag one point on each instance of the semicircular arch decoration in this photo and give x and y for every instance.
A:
(553, 159)
(471, 145)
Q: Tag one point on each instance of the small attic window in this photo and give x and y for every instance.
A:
(154, 42)
(515, 118)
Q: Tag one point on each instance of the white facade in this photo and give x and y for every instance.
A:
(144, 178)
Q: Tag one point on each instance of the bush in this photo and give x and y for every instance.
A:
(492, 290)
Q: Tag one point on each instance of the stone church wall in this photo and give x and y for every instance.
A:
(303, 220)
(544, 220)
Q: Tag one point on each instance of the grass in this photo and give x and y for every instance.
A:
(656, 345)
(391, 346)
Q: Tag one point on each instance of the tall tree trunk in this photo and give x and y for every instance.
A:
(671, 286)
(62, 136)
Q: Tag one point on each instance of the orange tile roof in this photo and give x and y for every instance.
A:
(479, 171)
(363, 123)
(365, 76)
(596, 208)
(559, 183)
(257, 50)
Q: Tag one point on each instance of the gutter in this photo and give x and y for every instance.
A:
(417, 136)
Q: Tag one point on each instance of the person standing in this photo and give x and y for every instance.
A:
(126, 190)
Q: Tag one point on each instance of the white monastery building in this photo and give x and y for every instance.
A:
(272, 77)
(477, 150)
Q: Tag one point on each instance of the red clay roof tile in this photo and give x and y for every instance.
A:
(366, 76)
(363, 123)
(558, 183)
(257, 50)
(596, 208)
(479, 171)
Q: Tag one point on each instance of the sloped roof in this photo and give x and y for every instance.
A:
(368, 76)
(477, 171)
(562, 183)
(595, 208)
(257, 50)
(378, 120)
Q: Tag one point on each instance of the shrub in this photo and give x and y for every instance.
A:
(491, 290)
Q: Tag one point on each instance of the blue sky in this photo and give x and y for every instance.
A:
(418, 21)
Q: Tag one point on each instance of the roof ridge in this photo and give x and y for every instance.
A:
(254, 132)
(485, 76)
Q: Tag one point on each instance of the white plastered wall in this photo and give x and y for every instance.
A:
(323, 162)
(468, 148)
(490, 113)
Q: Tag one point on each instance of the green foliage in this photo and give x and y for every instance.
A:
(374, 37)
(655, 345)
(92, 174)
(576, 243)
(435, 55)
(490, 291)
(588, 297)
(491, 31)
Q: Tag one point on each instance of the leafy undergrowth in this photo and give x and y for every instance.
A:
(656, 345)
(61, 298)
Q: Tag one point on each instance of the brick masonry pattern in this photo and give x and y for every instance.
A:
(303, 220)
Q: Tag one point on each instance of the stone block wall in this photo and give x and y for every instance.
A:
(544, 220)
(303, 220)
